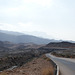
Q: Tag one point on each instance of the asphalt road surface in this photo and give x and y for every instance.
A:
(66, 65)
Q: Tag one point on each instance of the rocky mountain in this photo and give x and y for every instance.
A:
(17, 54)
(16, 37)
(62, 44)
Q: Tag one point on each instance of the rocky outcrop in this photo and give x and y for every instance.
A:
(61, 44)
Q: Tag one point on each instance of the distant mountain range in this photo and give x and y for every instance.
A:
(16, 37)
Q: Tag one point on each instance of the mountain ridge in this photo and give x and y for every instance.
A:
(22, 38)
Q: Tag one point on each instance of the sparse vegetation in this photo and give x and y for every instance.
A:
(63, 54)
(47, 71)
(20, 54)
(48, 59)
(3, 73)
(38, 66)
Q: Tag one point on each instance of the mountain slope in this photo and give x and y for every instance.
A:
(62, 44)
(23, 38)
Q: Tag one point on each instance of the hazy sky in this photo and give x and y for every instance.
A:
(46, 18)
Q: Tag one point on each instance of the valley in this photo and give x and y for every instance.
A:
(13, 56)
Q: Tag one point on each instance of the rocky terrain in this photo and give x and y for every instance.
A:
(65, 53)
(38, 66)
(63, 44)
(64, 49)
(18, 54)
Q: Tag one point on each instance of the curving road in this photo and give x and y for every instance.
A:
(66, 65)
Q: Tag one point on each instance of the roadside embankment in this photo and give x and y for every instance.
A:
(56, 67)
(38, 66)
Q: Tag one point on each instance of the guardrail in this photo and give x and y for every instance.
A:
(56, 68)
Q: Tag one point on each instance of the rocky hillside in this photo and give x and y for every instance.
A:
(38, 66)
(61, 44)
(18, 54)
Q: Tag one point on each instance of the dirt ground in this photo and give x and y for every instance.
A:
(38, 66)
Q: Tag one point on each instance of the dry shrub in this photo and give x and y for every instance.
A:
(47, 71)
(48, 59)
(3, 73)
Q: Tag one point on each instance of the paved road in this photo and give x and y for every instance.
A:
(67, 66)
